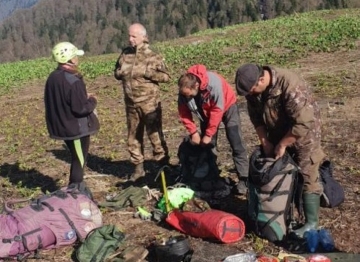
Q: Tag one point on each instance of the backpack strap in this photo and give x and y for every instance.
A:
(61, 194)
(275, 191)
(22, 238)
(71, 223)
(272, 219)
(7, 204)
(38, 204)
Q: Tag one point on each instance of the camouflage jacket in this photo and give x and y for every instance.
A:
(286, 104)
(140, 71)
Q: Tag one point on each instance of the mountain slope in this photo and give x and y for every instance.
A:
(100, 27)
(8, 7)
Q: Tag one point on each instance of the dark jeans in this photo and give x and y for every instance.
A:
(79, 149)
(231, 120)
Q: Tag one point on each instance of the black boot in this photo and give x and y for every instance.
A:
(82, 188)
(241, 187)
(139, 172)
(311, 210)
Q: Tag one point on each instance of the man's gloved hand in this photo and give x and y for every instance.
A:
(142, 214)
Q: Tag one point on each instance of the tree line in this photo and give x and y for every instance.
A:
(100, 26)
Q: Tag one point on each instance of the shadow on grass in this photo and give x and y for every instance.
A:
(152, 178)
(122, 168)
(29, 179)
(100, 165)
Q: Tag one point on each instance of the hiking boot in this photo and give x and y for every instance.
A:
(82, 188)
(161, 160)
(139, 172)
(241, 187)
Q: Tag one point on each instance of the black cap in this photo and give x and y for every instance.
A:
(246, 77)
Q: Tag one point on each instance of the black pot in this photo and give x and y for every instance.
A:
(174, 249)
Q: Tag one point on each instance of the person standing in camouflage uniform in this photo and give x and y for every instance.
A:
(141, 70)
(286, 117)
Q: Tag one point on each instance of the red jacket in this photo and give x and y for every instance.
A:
(216, 97)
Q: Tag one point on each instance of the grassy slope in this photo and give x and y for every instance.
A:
(280, 41)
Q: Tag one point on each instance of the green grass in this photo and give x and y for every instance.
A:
(279, 41)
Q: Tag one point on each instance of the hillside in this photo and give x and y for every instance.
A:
(8, 7)
(100, 27)
(322, 46)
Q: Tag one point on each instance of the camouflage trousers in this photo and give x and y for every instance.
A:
(143, 116)
(309, 160)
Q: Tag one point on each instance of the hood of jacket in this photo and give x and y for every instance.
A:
(201, 72)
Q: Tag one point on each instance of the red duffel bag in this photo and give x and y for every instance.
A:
(211, 224)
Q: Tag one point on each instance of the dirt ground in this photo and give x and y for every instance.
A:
(29, 160)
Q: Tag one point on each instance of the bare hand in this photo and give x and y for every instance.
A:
(92, 95)
(279, 151)
(195, 139)
(205, 140)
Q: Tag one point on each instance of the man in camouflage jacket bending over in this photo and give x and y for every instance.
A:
(141, 70)
(286, 117)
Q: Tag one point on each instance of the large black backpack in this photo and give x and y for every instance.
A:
(272, 187)
(197, 164)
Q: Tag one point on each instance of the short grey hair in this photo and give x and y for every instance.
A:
(143, 31)
(141, 28)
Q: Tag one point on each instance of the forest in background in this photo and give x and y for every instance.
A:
(100, 26)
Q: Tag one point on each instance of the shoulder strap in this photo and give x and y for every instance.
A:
(9, 202)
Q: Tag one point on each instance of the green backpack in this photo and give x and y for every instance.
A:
(100, 244)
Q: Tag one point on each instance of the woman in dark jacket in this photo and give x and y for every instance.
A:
(69, 110)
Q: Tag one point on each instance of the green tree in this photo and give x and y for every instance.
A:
(125, 8)
(86, 46)
(251, 11)
(180, 28)
(79, 17)
(117, 4)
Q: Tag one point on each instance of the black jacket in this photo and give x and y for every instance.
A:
(69, 112)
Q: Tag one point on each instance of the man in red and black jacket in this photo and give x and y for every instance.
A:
(208, 96)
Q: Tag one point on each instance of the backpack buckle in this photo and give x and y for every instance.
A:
(18, 238)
